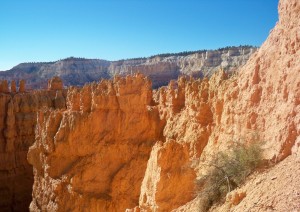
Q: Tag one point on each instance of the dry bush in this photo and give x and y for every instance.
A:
(228, 170)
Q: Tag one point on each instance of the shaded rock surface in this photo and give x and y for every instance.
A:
(17, 123)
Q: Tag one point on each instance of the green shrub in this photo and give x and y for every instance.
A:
(228, 170)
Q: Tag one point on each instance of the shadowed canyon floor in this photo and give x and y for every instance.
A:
(118, 145)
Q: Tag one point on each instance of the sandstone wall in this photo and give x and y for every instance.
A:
(261, 103)
(118, 146)
(93, 155)
(17, 134)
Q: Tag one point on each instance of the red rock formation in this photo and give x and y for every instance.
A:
(22, 86)
(115, 147)
(4, 86)
(13, 86)
(191, 110)
(17, 124)
(269, 90)
(55, 84)
(93, 155)
(262, 103)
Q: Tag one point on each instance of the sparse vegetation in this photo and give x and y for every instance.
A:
(185, 53)
(227, 172)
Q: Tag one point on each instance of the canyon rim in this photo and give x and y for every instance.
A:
(120, 145)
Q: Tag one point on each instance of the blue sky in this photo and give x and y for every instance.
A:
(40, 30)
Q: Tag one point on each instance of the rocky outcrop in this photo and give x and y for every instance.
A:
(261, 103)
(268, 89)
(4, 86)
(119, 146)
(13, 86)
(163, 68)
(22, 86)
(55, 84)
(191, 109)
(73, 71)
(160, 69)
(93, 155)
(17, 134)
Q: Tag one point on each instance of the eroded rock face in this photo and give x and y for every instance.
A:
(55, 84)
(22, 86)
(268, 89)
(13, 86)
(168, 178)
(17, 123)
(190, 108)
(93, 155)
(4, 86)
(261, 103)
(119, 146)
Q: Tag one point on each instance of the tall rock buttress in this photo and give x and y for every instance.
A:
(18, 115)
(93, 155)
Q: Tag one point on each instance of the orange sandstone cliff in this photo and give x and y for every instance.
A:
(204, 117)
(17, 124)
(93, 155)
(118, 146)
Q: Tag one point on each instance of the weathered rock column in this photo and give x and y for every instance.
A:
(13, 86)
(55, 83)
(22, 86)
(4, 86)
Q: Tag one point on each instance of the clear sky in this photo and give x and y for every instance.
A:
(49, 30)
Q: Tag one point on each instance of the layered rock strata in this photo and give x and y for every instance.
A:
(160, 69)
